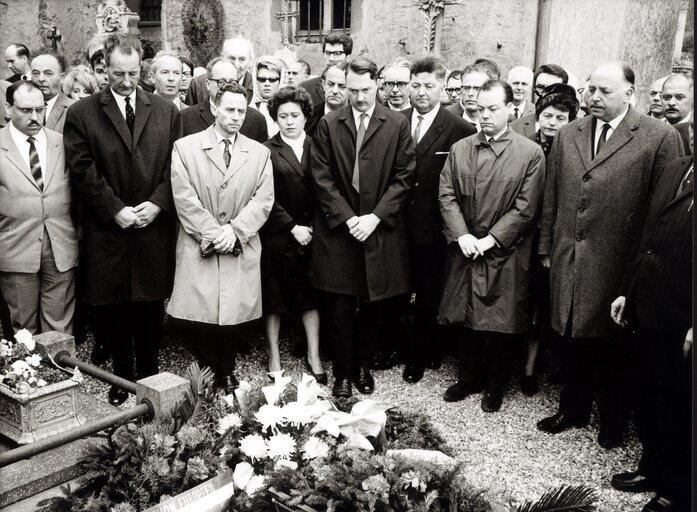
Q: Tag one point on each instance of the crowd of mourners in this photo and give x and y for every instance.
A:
(395, 211)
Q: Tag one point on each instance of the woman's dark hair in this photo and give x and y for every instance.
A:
(290, 94)
(561, 96)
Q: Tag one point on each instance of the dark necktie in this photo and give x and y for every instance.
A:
(130, 114)
(355, 179)
(35, 164)
(417, 130)
(515, 112)
(603, 137)
(226, 153)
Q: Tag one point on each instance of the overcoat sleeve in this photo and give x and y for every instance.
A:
(516, 221)
(549, 202)
(162, 195)
(391, 203)
(454, 224)
(196, 220)
(90, 183)
(334, 206)
(253, 215)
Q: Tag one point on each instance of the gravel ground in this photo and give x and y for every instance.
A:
(503, 452)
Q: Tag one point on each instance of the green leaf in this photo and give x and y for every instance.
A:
(564, 499)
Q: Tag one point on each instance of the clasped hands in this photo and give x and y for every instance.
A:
(302, 234)
(137, 216)
(473, 247)
(362, 227)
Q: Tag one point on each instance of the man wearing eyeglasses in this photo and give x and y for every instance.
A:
(397, 85)
(452, 87)
(221, 71)
(38, 240)
(473, 78)
(336, 47)
(547, 74)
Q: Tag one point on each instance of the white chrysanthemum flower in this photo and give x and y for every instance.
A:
(33, 360)
(20, 367)
(295, 414)
(225, 423)
(315, 448)
(24, 337)
(5, 349)
(283, 463)
(253, 446)
(269, 416)
(281, 445)
(255, 484)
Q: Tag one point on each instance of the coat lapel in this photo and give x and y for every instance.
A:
(56, 112)
(675, 183)
(583, 140)
(111, 109)
(287, 153)
(623, 134)
(434, 131)
(12, 153)
(53, 150)
(142, 114)
(212, 149)
(347, 117)
(204, 110)
(375, 121)
(238, 157)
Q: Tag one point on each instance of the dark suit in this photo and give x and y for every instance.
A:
(659, 308)
(525, 126)
(425, 225)
(128, 272)
(684, 131)
(311, 124)
(314, 87)
(345, 268)
(199, 117)
(16, 78)
(198, 92)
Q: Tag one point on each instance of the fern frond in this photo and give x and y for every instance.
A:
(564, 499)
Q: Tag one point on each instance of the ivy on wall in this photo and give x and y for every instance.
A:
(202, 22)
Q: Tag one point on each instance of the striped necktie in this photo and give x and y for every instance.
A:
(35, 164)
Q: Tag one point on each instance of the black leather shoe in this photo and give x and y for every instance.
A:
(321, 378)
(631, 481)
(413, 372)
(663, 504)
(117, 395)
(384, 360)
(558, 423)
(100, 354)
(492, 399)
(364, 381)
(342, 388)
(460, 390)
(608, 439)
(528, 385)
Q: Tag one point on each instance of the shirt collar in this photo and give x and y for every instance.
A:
(20, 137)
(428, 116)
(121, 98)
(521, 107)
(357, 114)
(294, 143)
(219, 137)
(50, 103)
(614, 123)
(499, 134)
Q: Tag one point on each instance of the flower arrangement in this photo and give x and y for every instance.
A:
(20, 363)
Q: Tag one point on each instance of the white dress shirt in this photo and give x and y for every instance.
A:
(296, 145)
(219, 139)
(426, 122)
(357, 116)
(121, 101)
(22, 144)
(613, 126)
(521, 108)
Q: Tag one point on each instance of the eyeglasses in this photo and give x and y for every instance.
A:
(452, 90)
(467, 88)
(400, 85)
(334, 54)
(28, 110)
(270, 79)
(224, 81)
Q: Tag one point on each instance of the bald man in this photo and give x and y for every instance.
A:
(655, 101)
(520, 80)
(677, 98)
(601, 171)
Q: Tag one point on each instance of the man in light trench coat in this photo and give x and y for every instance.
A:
(222, 184)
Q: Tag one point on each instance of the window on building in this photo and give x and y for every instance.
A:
(150, 12)
(319, 17)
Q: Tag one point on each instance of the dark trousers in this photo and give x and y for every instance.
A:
(596, 364)
(663, 411)
(426, 277)
(216, 346)
(6, 321)
(131, 330)
(485, 357)
(355, 325)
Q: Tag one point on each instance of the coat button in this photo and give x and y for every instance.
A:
(416, 184)
(222, 215)
(581, 209)
(579, 238)
(649, 251)
(224, 185)
(586, 178)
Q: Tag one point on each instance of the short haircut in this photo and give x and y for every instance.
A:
(233, 88)
(339, 38)
(82, 76)
(27, 84)
(185, 61)
(561, 96)
(305, 66)
(490, 85)
(211, 64)
(96, 58)
(339, 64)
(158, 58)
(628, 73)
(492, 69)
(239, 39)
(145, 66)
(551, 69)
(21, 50)
(290, 94)
(477, 68)
(428, 64)
(125, 44)
(362, 65)
(399, 62)
(455, 75)
(271, 63)
(62, 63)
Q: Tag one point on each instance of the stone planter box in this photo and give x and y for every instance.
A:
(42, 412)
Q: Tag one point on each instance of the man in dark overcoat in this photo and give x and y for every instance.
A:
(434, 130)
(657, 304)
(118, 146)
(600, 172)
(363, 160)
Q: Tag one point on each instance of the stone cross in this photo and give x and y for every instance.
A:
(433, 34)
(56, 40)
(286, 16)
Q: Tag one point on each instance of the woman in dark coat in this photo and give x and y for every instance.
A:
(287, 234)
(557, 106)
